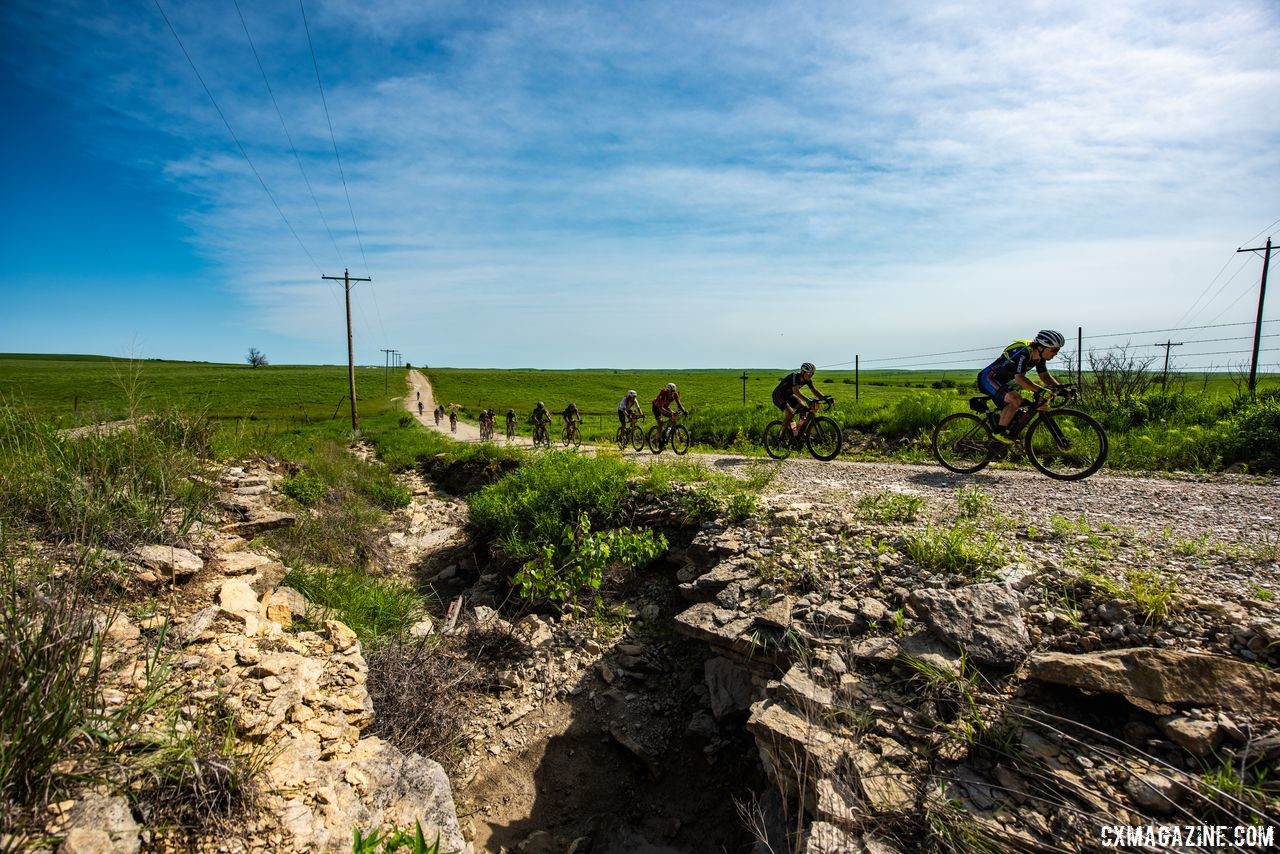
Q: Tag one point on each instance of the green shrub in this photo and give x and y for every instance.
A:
(343, 532)
(890, 507)
(386, 492)
(915, 414)
(578, 561)
(528, 509)
(305, 488)
(1257, 434)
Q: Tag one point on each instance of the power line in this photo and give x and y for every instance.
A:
(240, 146)
(1187, 315)
(287, 135)
(315, 63)
(1264, 231)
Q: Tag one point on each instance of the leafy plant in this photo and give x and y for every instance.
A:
(413, 842)
(578, 562)
(373, 609)
(305, 488)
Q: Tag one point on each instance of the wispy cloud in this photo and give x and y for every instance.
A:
(567, 183)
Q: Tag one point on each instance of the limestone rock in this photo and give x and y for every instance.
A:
(983, 620)
(1154, 792)
(169, 562)
(1165, 676)
(237, 597)
(343, 638)
(1197, 737)
(97, 818)
(728, 685)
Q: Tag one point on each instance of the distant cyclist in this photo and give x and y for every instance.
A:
(571, 415)
(662, 406)
(628, 407)
(787, 396)
(541, 417)
(511, 423)
(453, 420)
(421, 408)
(1002, 378)
(439, 411)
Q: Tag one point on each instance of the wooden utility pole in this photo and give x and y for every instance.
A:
(857, 388)
(1164, 378)
(744, 387)
(1079, 351)
(1257, 325)
(386, 367)
(346, 280)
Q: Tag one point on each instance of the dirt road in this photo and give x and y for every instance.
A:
(420, 389)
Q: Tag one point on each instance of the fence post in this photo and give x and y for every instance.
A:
(857, 388)
(1079, 356)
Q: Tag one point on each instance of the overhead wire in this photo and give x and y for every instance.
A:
(315, 63)
(288, 136)
(235, 138)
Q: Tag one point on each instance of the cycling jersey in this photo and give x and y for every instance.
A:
(541, 415)
(626, 403)
(665, 398)
(1016, 359)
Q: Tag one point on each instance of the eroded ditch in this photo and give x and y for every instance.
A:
(849, 696)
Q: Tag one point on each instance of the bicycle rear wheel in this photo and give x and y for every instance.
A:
(774, 443)
(823, 438)
(1066, 444)
(680, 439)
(622, 438)
(654, 440)
(962, 443)
(566, 436)
(637, 438)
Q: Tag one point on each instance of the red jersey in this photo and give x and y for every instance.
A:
(665, 398)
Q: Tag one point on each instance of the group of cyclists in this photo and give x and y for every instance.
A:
(1002, 380)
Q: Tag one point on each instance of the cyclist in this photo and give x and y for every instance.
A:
(787, 396)
(628, 407)
(511, 423)
(541, 417)
(1002, 378)
(571, 415)
(662, 406)
(453, 420)
(421, 409)
(484, 422)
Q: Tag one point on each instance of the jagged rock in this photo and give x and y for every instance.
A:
(170, 562)
(740, 639)
(872, 609)
(237, 597)
(983, 620)
(423, 628)
(833, 616)
(778, 614)
(1197, 737)
(880, 783)
(827, 838)
(342, 637)
(266, 576)
(927, 648)
(878, 649)
(104, 820)
(1165, 676)
(259, 521)
(1154, 791)
(705, 587)
(296, 602)
(796, 750)
(801, 691)
(197, 624)
(728, 685)
(375, 785)
(238, 563)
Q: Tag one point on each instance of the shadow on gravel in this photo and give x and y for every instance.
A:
(943, 479)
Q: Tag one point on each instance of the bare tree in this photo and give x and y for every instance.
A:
(256, 358)
(1117, 376)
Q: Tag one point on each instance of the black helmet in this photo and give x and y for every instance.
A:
(1050, 338)
(807, 368)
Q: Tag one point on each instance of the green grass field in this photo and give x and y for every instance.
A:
(76, 389)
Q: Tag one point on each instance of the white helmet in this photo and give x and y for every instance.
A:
(632, 393)
(671, 386)
(1050, 338)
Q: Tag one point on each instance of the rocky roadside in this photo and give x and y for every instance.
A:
(217, 638)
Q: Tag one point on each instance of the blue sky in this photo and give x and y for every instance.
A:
(634, 185)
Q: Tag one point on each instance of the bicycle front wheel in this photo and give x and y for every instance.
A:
(962, 443)
(1066, 444)
(824, 439)
(774, 445)
(637, 438)
(653, 437)
(680, 439)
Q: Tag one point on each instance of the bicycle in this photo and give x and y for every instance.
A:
(511, 430)
(819, 433)
(569, 436)
(630, 434)
(486, 432)
(541, 437)
(674, 433)
(1064, 444)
